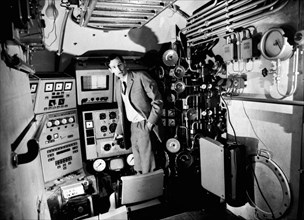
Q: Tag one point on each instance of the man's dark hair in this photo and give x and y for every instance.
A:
(114, 56)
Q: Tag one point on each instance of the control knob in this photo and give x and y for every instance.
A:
(71, 119)
(112, 115)
(112, 127)
(49, 124)
(107, 147)
(102, 116)
(103, 128)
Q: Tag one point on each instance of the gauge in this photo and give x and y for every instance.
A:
(184, 160)
(173, 145)
(170, 57)
(99, 165)
(274, 45)
(179, 72)
(130, 159)
(179, 86)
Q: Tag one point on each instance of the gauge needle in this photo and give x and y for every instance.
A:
(277, 43)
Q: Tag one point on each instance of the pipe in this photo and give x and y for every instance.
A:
(218, 7)
(168, 5)
(88, 13)
(250, 20)
(32, 147)
(204, 10)
(263, 100)
(186, 106)
(112, 5)
(216, 15)
(117, 19)
(234, 18)
(176, 8)
(62, 32)
(83, 12)
(222, 31)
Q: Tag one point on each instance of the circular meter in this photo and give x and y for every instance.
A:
(274, 45)
(130, 160)
(99, 165)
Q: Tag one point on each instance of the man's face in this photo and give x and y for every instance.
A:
(117, 67)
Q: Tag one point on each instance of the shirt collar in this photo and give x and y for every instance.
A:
(124, 78)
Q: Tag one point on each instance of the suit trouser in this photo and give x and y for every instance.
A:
(144, 160)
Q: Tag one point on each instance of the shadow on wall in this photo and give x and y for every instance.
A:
(145, 37)
(251, 144)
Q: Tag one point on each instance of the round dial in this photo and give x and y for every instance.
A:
(130, 160)
(99, 165)
(274, 45)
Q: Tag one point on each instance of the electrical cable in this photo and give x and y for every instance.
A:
(253, 127)
(229, 120)
(48, 35)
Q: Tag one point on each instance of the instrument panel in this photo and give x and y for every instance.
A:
(60, 127)
(60, 160)
(99, 128)
(52, 92)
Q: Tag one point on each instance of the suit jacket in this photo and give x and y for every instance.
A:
(145, 98)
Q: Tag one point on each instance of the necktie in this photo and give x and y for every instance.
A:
(124, 89)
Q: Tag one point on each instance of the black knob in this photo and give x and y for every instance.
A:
(107, 147)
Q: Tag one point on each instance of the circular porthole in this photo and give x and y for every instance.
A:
(268, 190)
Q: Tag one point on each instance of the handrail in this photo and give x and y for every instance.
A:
(62, 32)
(32, 145)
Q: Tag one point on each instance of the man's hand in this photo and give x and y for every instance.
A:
(116, 138)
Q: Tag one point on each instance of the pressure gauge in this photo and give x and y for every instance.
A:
(99, 165)
(274, 45)
(130, 160)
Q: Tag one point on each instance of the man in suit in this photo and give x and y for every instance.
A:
(140, 106)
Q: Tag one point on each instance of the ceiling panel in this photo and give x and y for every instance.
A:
(120, 14)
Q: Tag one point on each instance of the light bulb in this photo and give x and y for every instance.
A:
(51, 11)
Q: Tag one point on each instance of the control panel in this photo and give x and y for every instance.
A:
(98, 125)
(102, 123)
(107, 148)
(52, 92)
(60, 127)
(60, 160)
